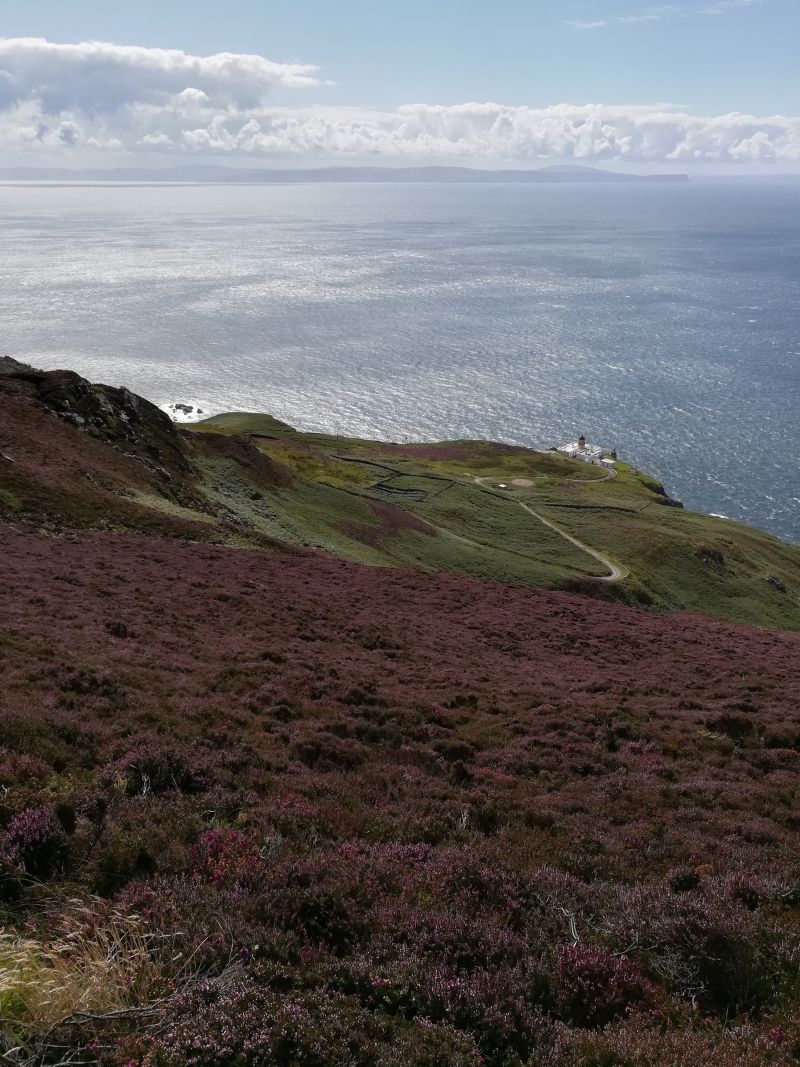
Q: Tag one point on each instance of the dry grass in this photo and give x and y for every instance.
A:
(87, 971)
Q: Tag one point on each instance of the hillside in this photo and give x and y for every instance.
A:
(266, 804)
(110, 460)
(672, 558)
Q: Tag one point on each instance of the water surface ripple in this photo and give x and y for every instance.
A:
(660, 320)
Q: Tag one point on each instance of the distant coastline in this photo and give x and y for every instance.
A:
(560, 175)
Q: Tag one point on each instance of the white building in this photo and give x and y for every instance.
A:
(588, 453)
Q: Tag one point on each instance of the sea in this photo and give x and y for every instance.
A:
(661, 320)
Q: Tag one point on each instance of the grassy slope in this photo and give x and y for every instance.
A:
(677, 559)
(244, 422)
(685, 558)
(76, 456)
(330, 504)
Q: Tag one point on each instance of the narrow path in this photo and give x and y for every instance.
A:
(616, 573)
(607, 477)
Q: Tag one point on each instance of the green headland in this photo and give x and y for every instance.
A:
(502, 512)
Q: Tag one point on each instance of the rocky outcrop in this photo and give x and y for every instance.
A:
(116, 416)
(661, 494)
(12, 366)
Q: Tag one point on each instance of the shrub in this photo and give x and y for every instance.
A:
(35, 842)
(325, 752)
(498, 1008)
(9, 503)
(683, 881)
(300, 900)
(593, 988)
(17, 770)
(142, 837)
(156, 770)
(227, 858)
(646, 1041)
(242, 1023)
(710, 946)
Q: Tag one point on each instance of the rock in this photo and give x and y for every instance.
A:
(129, 400)
(12, 366)
(710, 556)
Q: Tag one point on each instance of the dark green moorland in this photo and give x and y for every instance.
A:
(440, 506)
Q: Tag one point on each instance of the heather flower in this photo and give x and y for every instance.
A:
(593, 987)
(35, 842)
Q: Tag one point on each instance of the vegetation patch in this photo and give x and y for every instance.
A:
(320, 794)
(327, 810)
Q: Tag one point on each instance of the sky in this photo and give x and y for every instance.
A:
(696, 84)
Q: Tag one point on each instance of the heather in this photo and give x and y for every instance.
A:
(261, 808)
(285, 780)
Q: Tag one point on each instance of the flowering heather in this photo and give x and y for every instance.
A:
(35, 842)
(595, 988)
(367, 817)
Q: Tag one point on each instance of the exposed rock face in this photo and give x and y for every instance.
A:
(661, 493)
(74, 455)
(117, 416)
(12, 366)
(710, 556)
(669, 502)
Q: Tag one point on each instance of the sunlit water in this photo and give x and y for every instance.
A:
(661, 320)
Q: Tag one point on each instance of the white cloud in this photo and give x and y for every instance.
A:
(720, 7)
(74, 100)
(99, 78)
(192, 98)
(654, 14)
(482, 132)
(662, 12)
(586, 24)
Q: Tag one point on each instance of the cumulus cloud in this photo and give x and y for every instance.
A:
(149, 101)
(475, 131)
(97, 78)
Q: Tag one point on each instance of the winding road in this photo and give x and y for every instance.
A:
(616, 573)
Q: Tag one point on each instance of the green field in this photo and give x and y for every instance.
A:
(442, 507)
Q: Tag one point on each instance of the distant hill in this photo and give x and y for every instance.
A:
(561, 174)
